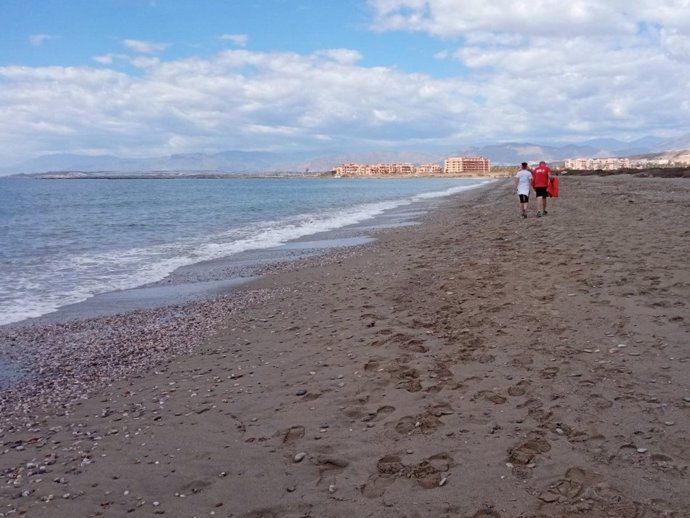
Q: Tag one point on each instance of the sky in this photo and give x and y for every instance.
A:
(144, 78)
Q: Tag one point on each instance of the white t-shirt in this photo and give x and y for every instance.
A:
(524, 178)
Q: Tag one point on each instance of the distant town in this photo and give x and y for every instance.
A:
(613, 164)
(453, 166)
(478, 166)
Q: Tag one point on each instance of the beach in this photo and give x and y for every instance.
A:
(474, 365)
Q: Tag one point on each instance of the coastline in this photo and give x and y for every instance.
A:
(244, 226)
(36, 368)
(435, 372)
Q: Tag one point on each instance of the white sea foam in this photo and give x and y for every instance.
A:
(73, 278)
(448, 192)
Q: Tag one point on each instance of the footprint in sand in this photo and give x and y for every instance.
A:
(390, 465)
(195, 486)
(424, 424)
(486, 513)
(549, 373)
(519, 389)
(408, 377)
(282, 511)
(330, 466)
(370, 316)
(522, 361)
(372, 365)
(383, 411)
(598, 402)
(414, 345)
(580, 492)
(376, 485)
(440, 409)
(566, 488)
(429, 473)
(486, 358)
(380, 413)
(441, 370)
(292, 434)
(525, 452)
(490, 395)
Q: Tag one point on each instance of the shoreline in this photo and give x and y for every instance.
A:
(185, 283)
(436, 372)
(167, 309)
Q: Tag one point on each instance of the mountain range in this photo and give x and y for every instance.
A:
(249, 162)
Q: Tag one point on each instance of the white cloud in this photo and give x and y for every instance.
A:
(238, 99)
(39, 39)
(238, 39)
(527, 76)
(598, 67)
(105, 59)
(676, 45)
(342, 56)
(144, 61)
(144, 47)
(453, 18)
(252, 100)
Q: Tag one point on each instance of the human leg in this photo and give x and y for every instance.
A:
(541, 199)
(524, 200)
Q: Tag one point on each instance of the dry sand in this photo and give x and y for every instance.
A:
(477, 365)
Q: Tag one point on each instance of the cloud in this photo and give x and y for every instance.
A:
(238, 39)
(676, 45)
(343, 56)
(596, 66)
(240, 99)
(39, 39)
(456, 18)
(105, 59)
(235, 100)
(527, 76)
(144, 47)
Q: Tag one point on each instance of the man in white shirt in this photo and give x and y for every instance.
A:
(523, 181)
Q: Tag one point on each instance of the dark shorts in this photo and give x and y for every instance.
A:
(524, 198)
(541, 192)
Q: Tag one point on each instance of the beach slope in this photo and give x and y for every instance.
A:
(475, 365)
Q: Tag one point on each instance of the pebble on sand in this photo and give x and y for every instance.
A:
(300, 456)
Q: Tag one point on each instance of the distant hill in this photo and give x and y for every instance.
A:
(227, 162)
(249, 162)
(514, 152)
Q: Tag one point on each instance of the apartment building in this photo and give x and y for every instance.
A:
(464, 165)
(429, 169)
(469, 166)
(612, 164)
(386, 169)
(607, 164)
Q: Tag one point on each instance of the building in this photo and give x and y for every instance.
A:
(464, 165)
(429, 169)
(386, 169)
(467, 166)
(606, 164)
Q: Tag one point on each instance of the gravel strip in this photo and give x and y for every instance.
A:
(61, 363)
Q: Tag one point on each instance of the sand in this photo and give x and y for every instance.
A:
(476, 365)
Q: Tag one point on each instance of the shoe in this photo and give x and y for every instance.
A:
(539, 214)
(524, 214)
(545, 213)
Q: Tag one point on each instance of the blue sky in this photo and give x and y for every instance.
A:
(137, 78)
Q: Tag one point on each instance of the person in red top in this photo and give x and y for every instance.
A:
(540, 182)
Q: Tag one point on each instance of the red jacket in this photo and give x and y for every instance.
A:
(540, 176)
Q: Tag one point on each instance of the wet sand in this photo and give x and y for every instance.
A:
(476, 365)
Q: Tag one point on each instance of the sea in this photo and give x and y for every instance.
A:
(83, 243)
